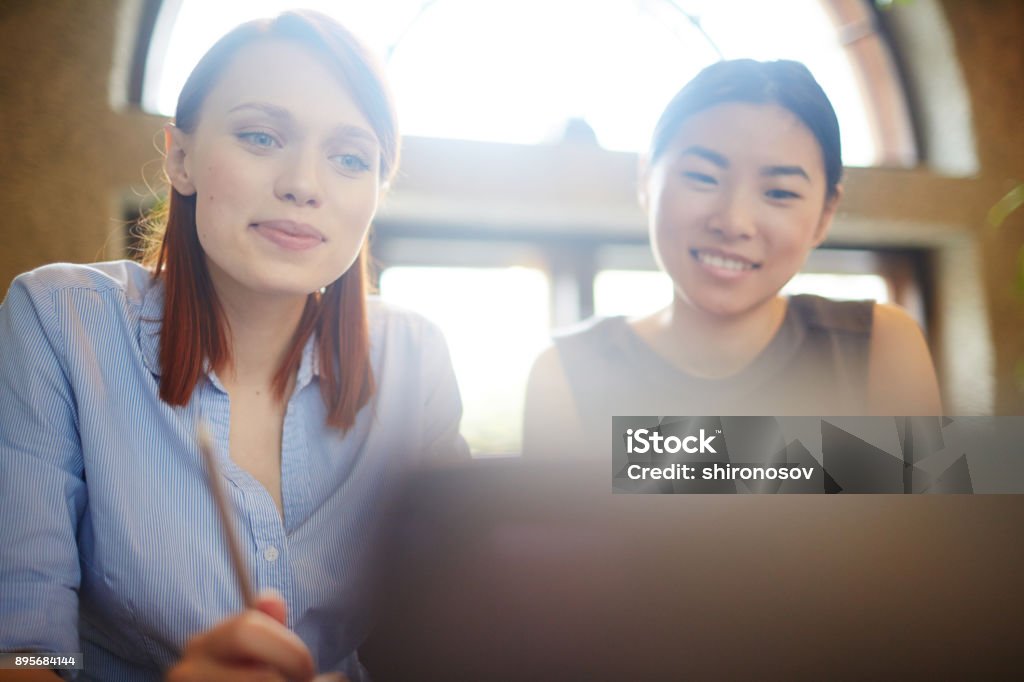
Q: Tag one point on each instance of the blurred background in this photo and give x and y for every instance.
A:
(515, 209)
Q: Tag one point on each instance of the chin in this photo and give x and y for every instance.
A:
(719, 304)
(283, 291)
(285, 286)
(293, 279)
(720, 309)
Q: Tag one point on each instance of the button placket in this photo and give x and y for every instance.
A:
(270, 550)
(295, 475)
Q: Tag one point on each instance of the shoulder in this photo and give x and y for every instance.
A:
(123, 276)
(75, 315)
(594, 335)
(68, 289)
(576, 352)
(549, 383)
(391, 319)
(396, 331)
(547, 371)
(549, 374)
(582, 352)
(895, 334)
(889, 318)
(840, 317)
(901, 376)
(591, 328)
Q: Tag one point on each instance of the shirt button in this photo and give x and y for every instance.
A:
(271, 554)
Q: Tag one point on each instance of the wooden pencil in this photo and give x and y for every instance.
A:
(213, 477)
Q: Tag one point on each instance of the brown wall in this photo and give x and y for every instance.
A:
(989, 37)
(70, 159)
(67, 156)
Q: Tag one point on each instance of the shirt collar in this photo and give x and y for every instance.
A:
(152, 316)
(309, 364)
(151, 323)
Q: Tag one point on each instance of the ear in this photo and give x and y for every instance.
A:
(643, 170)
(177, 160)
(827, 214)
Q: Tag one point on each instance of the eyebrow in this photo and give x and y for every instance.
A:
(705, 153)
(282, 114)
(351, 131)
(775, 171)
(723, 163)
(269, 109)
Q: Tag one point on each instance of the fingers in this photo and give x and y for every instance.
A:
(255, 639)
(273, 604)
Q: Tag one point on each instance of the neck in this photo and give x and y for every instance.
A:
(714, 346)
(261, 328)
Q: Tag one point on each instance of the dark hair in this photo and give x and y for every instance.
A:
(194, 329)
(786, 83)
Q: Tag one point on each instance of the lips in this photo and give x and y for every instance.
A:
(289, 235)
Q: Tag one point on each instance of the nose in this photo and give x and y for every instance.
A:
(297, 182)
(734, 217)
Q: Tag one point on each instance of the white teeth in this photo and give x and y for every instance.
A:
(719, 262)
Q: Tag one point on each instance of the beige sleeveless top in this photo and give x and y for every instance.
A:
(815, 365)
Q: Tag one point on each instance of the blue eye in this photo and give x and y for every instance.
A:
(781, 194)
(259, 139)
(351, 162)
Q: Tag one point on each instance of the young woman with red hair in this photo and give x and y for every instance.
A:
(251, 314)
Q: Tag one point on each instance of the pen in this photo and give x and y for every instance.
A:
(220, 501)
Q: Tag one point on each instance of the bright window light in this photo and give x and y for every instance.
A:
(843, 287)
(640, 292)
(515, 72)
(631, 292)
(496, 322)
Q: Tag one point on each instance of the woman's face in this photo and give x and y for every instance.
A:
(285, 169)
(735, 204)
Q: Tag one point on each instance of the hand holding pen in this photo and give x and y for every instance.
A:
(255, 644)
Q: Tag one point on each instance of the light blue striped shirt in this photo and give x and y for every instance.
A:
(109, 543)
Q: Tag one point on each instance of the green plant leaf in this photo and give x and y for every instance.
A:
(1013, 200)
(886, 5)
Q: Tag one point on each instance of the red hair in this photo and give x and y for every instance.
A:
(194, 328)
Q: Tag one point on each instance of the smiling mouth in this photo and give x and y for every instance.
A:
(725, 262)
(290, 228)
(289, 235)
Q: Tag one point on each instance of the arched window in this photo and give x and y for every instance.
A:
(521, 71)
(531, 72)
